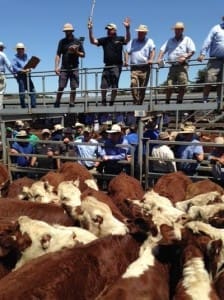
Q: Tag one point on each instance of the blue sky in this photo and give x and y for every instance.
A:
(38, 24)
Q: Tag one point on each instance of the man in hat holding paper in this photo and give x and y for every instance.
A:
(179, 49)
(113, 49)
(22, 74)
(140, 52)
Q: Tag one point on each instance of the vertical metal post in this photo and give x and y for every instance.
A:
(4, 147)
(222, 87)
(140, 147)
(43, 90)
(82, 39)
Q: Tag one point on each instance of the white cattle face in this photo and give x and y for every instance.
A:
(47, 238)
(152, 199)
(69, 194)
(97, 217)
(199, 200)
(41, 192)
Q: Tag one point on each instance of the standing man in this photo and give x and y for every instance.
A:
(4, 63)
(179, 49)
(141, 52)
(214, 45)
(68, 52)
(23, 76)
(112, 48)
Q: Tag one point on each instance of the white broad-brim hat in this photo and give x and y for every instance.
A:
(68, 27)
(20, 46)
(86, 129)
(77, 124)
(58, 127)
(22, 133)
(178, 25)
(115, 128)
(45, 130)
(111, 26)
(142, 28)
(188, 128)
(19, 123)
(219, 140)
(2, 45)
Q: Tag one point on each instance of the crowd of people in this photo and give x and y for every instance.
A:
(139, 54)
(108, 148)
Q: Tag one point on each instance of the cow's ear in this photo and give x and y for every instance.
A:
(76, 182)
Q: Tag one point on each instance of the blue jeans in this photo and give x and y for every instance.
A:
(22, 83)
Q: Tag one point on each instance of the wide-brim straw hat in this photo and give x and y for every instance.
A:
(178, 25)
(188, 129)
(114, 129)
(142, 28)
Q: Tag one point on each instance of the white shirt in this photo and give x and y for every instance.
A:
(177, 48)
(140, 50)
(163, 152)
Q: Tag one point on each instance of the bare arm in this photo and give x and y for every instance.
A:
(57, 62)
(127, 26)
(151, 56)
(92, 39)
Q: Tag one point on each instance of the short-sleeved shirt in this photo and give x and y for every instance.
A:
(139, 51)
(112, 49)
(69, 60)
(214, 42)
(189, 152)
(177, 48)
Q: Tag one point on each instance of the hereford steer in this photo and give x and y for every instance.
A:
(202, 187)
(123, 187)
(47, 238)
(78, 273)
(195, 283)
(173, 186)
(201, 199)
(50, 213)
(15, 188)
(145, 278)
(41, 192)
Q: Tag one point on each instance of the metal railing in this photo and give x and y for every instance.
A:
(46, 83)
(15, 168)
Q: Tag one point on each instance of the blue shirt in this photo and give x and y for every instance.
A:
(115, 153)
(86, 151)
(23, 148)
(177, 48)
(214, 43)
(189, 152)
(19, 62)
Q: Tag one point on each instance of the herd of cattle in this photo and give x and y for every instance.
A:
(63, 238)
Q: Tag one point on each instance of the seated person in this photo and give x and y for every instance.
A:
(47, 149)
(217, 160)
(21, 147)
(86, 151)
(111, 154)
(162, 152)
(192, 151)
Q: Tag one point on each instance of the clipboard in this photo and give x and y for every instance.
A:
(32, 63)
